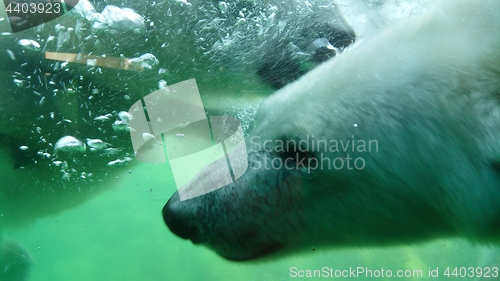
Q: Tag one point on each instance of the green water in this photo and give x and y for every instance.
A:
(120, 235)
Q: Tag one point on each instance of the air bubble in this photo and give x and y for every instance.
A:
(11, 54)
(97, 144)
(112, 151)
(119, 162)
(241, 22)
(120, 126)
(223, 7)
(145, 61)
(69, 144)
(125, 116)
(30, 45)
(102, 118)
(162, 84)
(19, 83)
(148, 136)
(122, 18)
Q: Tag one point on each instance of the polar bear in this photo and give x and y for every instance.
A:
(62, 125)
(394, 141)
(48, 100)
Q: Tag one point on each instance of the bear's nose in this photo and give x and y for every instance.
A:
(175, 222)
(323, 50)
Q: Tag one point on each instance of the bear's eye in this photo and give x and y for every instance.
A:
(295, 155)
(496, 166)
(294, 150)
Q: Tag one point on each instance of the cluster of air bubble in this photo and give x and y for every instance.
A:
(65, 133)
(80, 124)
(246, 116)
(231, 28)
(210, 40)
(67, 116)
(75, 156)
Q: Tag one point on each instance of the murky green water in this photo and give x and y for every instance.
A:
(120, 235)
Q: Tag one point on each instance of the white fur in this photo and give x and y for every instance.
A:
(431, 81)
(428, 90)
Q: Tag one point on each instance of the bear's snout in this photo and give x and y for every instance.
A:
(178, 225)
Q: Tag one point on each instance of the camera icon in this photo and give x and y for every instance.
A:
(171, 125)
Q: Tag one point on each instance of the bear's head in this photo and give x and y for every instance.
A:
(395, 140)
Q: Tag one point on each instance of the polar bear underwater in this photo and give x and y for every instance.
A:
(228, 47)
(421, 102)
